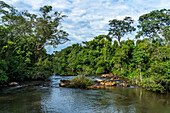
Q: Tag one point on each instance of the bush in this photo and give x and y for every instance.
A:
(100, 70)
(80, 82)
(3, 69)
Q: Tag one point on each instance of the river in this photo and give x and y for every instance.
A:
(55, 99)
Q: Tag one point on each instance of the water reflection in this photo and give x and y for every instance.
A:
(54, 99)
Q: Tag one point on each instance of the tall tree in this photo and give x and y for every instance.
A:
(155, 25)
(118, 28)
(23, 37)
(44, 29)
(48, 28)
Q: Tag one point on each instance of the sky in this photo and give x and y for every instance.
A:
(89, 18)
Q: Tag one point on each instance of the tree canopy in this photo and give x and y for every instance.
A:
(118, 28)
(144, 62)
(155, 25)
(23, 37)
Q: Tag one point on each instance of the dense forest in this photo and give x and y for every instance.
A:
(23, 37)
(145, 60)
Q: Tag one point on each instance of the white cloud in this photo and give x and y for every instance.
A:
(88, 18)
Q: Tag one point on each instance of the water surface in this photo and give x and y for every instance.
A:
(55, 99)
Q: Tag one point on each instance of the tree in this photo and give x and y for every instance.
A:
(44, 29)
(23, 37)
(47, 28)
(118, 28)
(154, 24)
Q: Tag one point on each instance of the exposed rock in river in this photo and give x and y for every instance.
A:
(100, 83)
(13, 84)
(64, 83)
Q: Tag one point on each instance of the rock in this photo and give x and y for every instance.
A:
(102, 83)
(13, 84)
(124, 84)
(98, 80)
(95, 87)
(117, 79)
(112, 79)
(108, 83)
(104, 76)
(63, 83)
(107, 75)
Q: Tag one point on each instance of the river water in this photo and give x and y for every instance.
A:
(55, 99)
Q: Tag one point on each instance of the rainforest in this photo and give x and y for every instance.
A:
(125, 69)
(143, 59)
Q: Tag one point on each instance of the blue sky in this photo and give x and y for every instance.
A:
(89, 18)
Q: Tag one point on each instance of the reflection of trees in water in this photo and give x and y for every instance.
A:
(118, 100)
(141, 101)
(128, 100)
(26, 100)
(107, 101)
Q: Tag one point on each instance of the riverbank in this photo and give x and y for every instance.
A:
(100, 81)
(108, 80)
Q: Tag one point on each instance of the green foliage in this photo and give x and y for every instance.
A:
(154, 24)
(80, 82)
(23, 37)
(118, 28)
(100, 70)
(3, 69)
(42, 69)
(145, 62)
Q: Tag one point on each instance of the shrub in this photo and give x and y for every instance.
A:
(80, 82)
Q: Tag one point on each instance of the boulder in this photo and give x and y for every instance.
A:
(13, 84)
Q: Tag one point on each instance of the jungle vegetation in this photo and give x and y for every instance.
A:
(23, 37)
(143, 59)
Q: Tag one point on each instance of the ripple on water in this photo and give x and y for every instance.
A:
(55, 99)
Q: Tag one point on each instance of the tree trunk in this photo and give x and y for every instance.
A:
(119, 42)
(136, 81)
